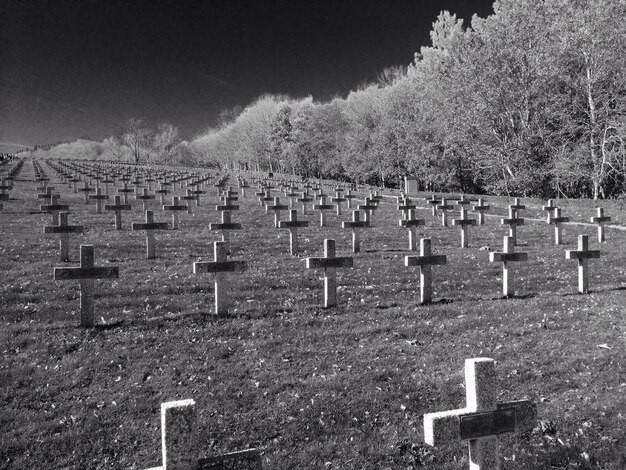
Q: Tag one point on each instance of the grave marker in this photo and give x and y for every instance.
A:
(276, 208)
(512, 221)
(410, 184)
(338, 200)
(356, 225)
(117, 208)
(549, 208)
(444, 208)
(98, 197)
(226, 226)
(145, 197)
(481, 208)
(64, 230)
(175, 208)
(330, 264)
(412, 223)
(482, 419)
(322, 207)
(219, 267)
(507, 256)
(125, 191)
(54, 208)
(425, 261)
(86, 274)
(557, 220)
(149, 226)
(433, 201)
(464, 222)
(583, 255)
(600, 219)
(86, 189)
(292, 224)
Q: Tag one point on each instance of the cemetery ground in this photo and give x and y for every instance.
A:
(338, 388)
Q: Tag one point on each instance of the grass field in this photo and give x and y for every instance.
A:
(339, 388)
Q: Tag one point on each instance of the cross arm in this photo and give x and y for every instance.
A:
(599, 220)
(512, 221)
(411, 223)
(119, 207)
(229, 226)
(329, 263)
(464, 222)
(573, 254)
(425, 260)
(226, 207)
(150, 226)
(360, 224)
(70, 274)
(63, 229)
(504, 257)
(204, 267)
(293, 223)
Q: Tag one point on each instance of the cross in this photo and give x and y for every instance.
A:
(125, 191)
(433, 202)
(197, 193)
(86, 274)
(219, 267)
(338, 199)
(549, 208)
(444, 208)
(47, 193)
(266, 199)
(600, 219)
(583, 254)
(322, 207)
(464, 222)
(180, 443)
(162, 192)
(188, 197)
(106, 182)
(4, 187)
(54, 208)
(117, 207)
(557, 220)
(64, 229)
(356, 225)
(512, 221)
(481, 208)
(368, 207)
(349, 196)
(412, 223)
(482, 419)
(517, 205)
(86, 189)
(292, 224)
(243, 185)
(150, 226)
(505, 257)
(276, 208)
(145, 197)
(330, 264)
(425, 260)
(292, 195)
(98, 197)
(404, 205)
(175, 208)
(226, 226)
(305, 199)
(462, 202)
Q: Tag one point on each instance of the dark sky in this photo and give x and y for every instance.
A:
(80, 68)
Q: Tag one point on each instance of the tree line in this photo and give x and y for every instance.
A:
(530, 101)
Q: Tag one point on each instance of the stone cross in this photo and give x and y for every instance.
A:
(106, 182)
(463, 202)
(425, 260)
(369, 206)
(226, 226)
(266, 199)
(356, 225)
(276, 208)
(512, 221)
(292, 195)
(404, 205)
(322, 207)
(433, 201)
(549, 208)
(150, 226)
(145, 198)
(412, 223)
(444, 208)
(507, 256)
(86, 189)
(600, 219)
(188, 197)
(305, 199)
(330, 264)
(54, 208)
(220, 266)
(175, 208)
(481, 208)
(338, 200)
(482, 419)
(557, 220)
(117, 207)
(47, 193)
(582, 254)
(517, 206)
(125, 191)
(162, 192)
(292, 224)
(464, 222)
(64, 230)
(349, 196)
(197, 193)
(86, 274)
(180, 443)
(99, 197)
